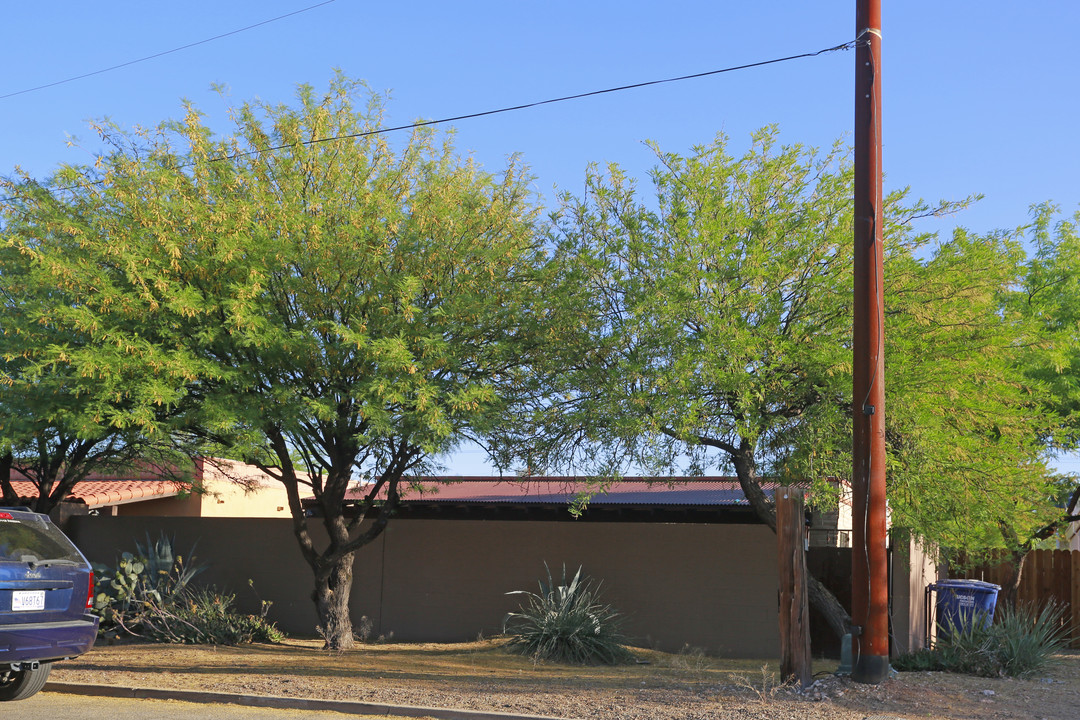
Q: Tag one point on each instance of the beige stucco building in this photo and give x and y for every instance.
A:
(224, 488)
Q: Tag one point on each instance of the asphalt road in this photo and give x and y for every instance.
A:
(63, 706)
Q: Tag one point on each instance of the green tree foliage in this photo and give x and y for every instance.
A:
(718, 329)
(333, 311)
(964, 422)
(58, 425)
(1050, 297)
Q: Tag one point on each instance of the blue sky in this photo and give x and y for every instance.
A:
(977, 96)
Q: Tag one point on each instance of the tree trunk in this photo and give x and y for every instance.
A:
(1020, 550)
(820, 598)
(10, 496)
(827, 604)
(331, 596)
(42, 504)
(1010, 587)
(794, 607)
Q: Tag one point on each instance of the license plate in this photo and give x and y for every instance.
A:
(27, 600)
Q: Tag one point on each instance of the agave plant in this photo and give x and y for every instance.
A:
(566, 622)
(155, 575)
(166, 570)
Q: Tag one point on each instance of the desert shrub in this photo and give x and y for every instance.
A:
(206, 616)
(149, 595)
(154, 576)
(766, 688)
(365, 633)
(1021, 642)
(567, 623)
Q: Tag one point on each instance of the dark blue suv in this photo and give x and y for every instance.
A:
(46, 592)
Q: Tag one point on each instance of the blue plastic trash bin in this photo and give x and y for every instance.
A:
(963, 603)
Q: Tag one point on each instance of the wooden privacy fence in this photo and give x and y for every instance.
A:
(1049, 576)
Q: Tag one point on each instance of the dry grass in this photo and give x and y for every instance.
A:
(483, 675)
(481, 660)
(766, 684)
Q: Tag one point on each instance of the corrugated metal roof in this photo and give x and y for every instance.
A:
(674, 491)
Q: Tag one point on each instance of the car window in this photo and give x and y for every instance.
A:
(28, 538)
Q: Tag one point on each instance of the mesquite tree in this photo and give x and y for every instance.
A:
(718, 334)
(315, 300)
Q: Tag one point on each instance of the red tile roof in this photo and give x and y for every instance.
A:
(674, 491)
(100, 493)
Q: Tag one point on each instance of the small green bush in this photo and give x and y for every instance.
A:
(566, 623)
(969, 649)
(1021, 642)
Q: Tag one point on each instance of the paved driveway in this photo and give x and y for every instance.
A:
(63, 706)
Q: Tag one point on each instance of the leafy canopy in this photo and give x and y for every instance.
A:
(306, 295)
(59, 423)
(717, 332)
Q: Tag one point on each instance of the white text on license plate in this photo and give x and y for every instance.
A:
(27, 600)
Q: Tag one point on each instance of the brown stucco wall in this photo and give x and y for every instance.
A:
(709, 586)
(234, 550)
(186, 506)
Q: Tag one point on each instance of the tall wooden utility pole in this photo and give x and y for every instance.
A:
(869, 576)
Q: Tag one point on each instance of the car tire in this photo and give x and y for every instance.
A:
(24, 683)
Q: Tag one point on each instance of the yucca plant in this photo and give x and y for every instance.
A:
(1028, 639)
(566, 622)
(969, 648)
(1021, 641)
(166, 570)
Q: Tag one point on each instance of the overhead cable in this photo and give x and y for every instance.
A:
(164, 52)
(469, 116)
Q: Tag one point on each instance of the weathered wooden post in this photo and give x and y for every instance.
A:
(794, 608)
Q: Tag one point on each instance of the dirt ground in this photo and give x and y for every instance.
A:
(484, 676)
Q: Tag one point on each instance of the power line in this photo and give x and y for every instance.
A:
(164, 52)
(470, 116)
(423, 123)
